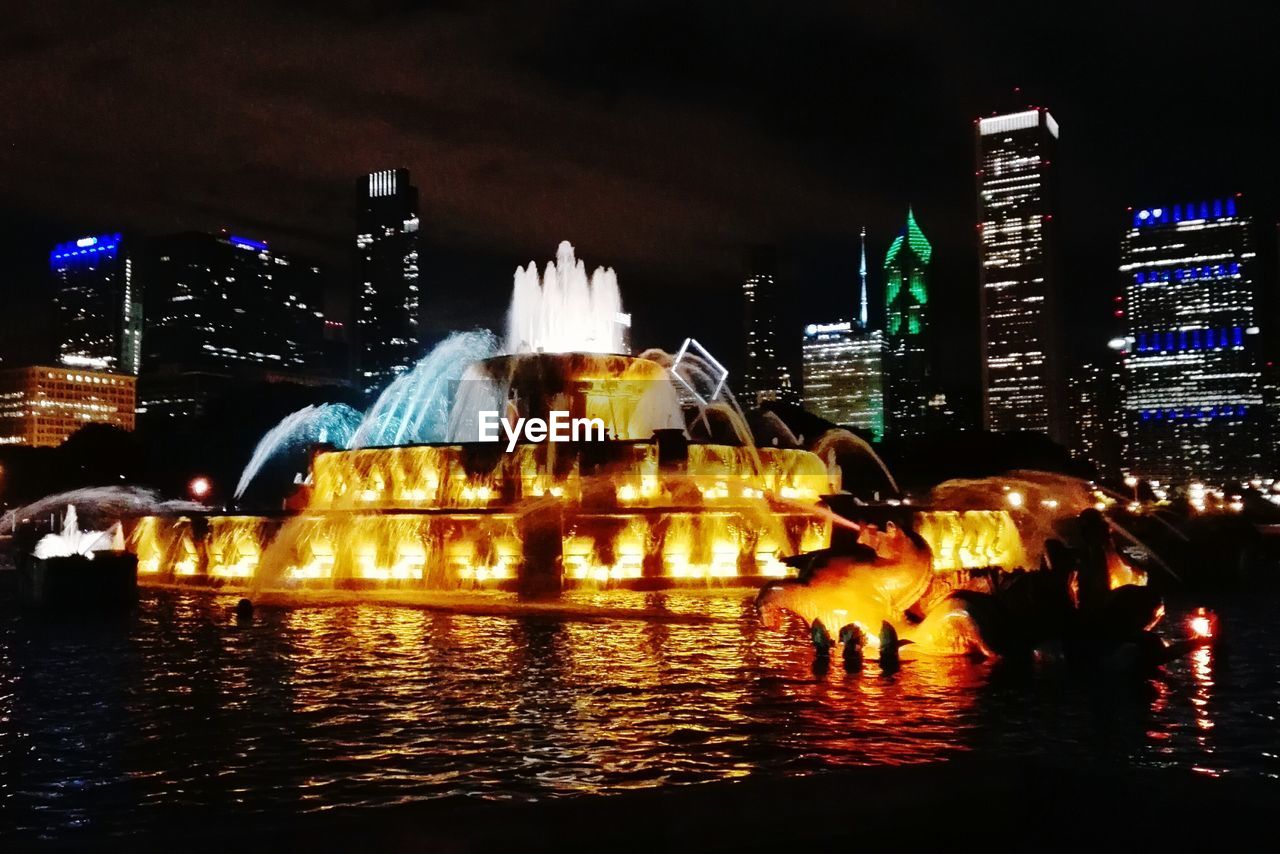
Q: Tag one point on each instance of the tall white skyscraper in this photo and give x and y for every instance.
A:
(1022, 381)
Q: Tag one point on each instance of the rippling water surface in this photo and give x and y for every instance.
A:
(103, 727)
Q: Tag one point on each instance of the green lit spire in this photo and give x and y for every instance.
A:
(915, 238)
(905, 312)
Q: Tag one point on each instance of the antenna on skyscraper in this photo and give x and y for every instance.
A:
(862, 275)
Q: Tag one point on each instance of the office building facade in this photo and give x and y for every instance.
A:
(1021, 332)
(221, 301)
(842, 375)
(765, 377)
(388, 304)
(41, 406)
(1098, 424)
(224, 310)
(98, 304)
(1193, 377)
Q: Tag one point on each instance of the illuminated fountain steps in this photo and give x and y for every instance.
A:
(450, 550)
(479, 476)
(694, 546)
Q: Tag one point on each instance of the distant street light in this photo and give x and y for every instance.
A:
(200, 487)
(1014, 499)
(1132, 483)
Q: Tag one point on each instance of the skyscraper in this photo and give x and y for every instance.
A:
(225, 308)
(218, 301)
(99, 304)
(842, 370)
(766, 377)
(1022, 385)
(1096, 404)
(906, 358)
(1193, 370)
(387, 311)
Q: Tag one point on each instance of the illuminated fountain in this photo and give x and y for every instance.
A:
(676, 493)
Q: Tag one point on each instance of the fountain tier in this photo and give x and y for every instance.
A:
(645, 513)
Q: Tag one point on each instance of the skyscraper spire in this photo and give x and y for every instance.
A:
(862, 275)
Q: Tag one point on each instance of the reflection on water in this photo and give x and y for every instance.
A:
(107, 727)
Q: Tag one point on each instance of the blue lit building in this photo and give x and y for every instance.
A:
(1193, 383)
(387, 257)
(98, 299)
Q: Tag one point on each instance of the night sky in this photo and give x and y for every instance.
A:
(662, 138)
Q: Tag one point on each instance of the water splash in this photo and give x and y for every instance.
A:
(71, 541)
(330, 423)
(831, 444)
(565, 311)
(100, 504)
(415, 408)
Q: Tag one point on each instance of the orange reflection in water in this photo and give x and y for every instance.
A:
(692, 689)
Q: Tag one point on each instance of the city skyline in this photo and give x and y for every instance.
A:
(400, 288)
(811, 199)
(472, 426)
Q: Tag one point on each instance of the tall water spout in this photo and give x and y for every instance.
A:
(565, 311)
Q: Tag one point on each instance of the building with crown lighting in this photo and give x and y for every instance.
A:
(1022, 384)
(842, 375)
(41, 406)
(906, 332)
(98, 303)
(387, 257)
(1193, 377)
(765, 377)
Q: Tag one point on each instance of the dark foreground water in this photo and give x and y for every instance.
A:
(107, 728)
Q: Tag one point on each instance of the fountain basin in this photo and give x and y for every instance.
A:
(107, 581)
